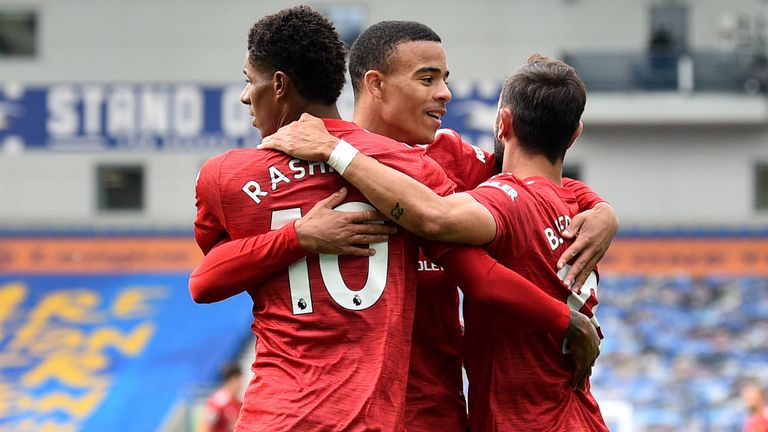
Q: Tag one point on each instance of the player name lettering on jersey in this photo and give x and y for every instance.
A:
(299, 169)
(551, 234)
(479, 154)
(508, 189)
(425, 265)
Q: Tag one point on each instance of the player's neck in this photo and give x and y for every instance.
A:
(362, 115)
(366, 116)
(322, 111)
(524, 165)
(372, 122)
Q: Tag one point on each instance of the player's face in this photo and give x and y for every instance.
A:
(414, 92)
(259, 95)
(752, 398)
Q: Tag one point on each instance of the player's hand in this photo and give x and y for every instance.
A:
(585, 347)
(594, 231)
(306, 138)
(324, 230)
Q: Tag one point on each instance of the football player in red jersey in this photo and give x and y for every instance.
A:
(223, 406)
(520, 378)
(754, 399)
(329, 357)
(398, 71)
(410, 53)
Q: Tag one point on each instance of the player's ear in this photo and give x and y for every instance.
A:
(373, 81)
(280, 82)
(504, 124)
(576, 134)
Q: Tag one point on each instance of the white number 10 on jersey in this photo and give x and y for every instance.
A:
(298, 272)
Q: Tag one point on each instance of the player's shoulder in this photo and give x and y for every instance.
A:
(572, 183)
(373, 144)
(445, 137)
(546, 185)
(221, 158)
(504, 177)
(213, 165)
(543, 190)
(450, 142)
(507, 183)
(239, 157)
(240, 154)
(379, 146)
(521, 189)
(384, 142)
(220, 398)
(448, 134)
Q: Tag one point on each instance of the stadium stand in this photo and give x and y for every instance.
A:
(678, 348)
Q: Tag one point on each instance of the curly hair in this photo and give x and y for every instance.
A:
(546, 98)
(375, 46)
(305, 45)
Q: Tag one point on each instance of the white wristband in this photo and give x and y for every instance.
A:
(342, 156)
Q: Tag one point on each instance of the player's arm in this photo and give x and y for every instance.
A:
(404, 200)
(502, 291)
(455, 218)
(596, 225)
(209, 225)
(214, 279)
(233, 266)
(594, 229)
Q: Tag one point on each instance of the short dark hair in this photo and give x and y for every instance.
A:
(305, 45)
(375, 46)
(230, 370)
(546, 98)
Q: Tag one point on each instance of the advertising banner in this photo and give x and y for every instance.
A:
(177, 117)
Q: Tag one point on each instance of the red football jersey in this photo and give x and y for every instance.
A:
(585, 196)
(435, 399)
(519, 377)
(333, 332)
(465, 164)
(758, 422)
(435, 389)
(221, 410)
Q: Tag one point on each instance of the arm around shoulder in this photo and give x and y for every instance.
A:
(454, 218)
(502, 291)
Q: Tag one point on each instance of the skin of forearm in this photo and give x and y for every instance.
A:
(404, 200)
(401, 198)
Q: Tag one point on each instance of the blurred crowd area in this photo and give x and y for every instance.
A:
(679, 349)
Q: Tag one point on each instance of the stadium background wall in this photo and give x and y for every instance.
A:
(677, 141)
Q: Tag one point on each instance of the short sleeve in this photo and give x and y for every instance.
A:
(504, 199)
(465, 164)
(585, 196)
